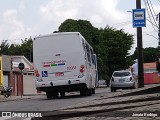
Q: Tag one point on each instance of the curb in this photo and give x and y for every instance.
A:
(13, 98)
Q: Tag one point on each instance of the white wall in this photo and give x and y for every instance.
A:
(5, 80)
(29, 85)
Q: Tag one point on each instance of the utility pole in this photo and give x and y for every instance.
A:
(159, 29)
(140, 51)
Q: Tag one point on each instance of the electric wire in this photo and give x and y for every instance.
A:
(152, 7)
(148, 9)
(149, 16)
(153, 12)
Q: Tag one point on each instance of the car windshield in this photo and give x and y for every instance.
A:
(121, 74)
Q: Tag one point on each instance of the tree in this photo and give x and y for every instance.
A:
(14, 49)
(27, 49)
(150, 54)
(89, 32)
(4, 47)
(18, 49)
(117, 43)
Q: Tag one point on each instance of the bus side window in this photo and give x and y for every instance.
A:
(84, 46)
(92, 57)
(84, 49)
(93, 60)
(88, 54)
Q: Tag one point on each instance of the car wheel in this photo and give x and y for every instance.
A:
(112, 89)
(135, 85)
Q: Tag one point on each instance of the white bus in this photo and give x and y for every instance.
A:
(64, 62)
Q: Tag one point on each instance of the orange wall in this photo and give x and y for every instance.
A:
(151, 78)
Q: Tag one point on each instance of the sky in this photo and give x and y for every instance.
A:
(21, 19)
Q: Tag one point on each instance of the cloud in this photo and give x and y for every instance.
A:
(14, 30)
(99, 12)
(11, 22)
(22, 5)
(47, 16)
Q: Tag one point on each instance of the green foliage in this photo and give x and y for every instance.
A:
(4, 47)
(149, 54)
(26, 47)
(84, 27)
(18, 49)
(117, 45)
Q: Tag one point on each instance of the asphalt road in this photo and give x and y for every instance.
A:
(41, 103)
(102, 105)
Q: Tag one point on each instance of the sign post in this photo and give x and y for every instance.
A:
(139, 21)
(21, 67)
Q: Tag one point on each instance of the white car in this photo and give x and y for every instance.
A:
(122, 80)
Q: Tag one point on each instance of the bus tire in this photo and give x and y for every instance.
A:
(82, 92)
(55, 95)
(62, 94)
(93, 90)
(49, 95)
(89, 92)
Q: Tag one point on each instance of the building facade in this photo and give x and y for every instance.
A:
(22, 82)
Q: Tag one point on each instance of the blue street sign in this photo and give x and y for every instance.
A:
(139, 17)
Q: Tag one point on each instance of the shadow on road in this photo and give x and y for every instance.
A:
(142, 92)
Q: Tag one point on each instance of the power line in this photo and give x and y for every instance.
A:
(146, 32)
(148, 8)
(152, 12)
(152, 8)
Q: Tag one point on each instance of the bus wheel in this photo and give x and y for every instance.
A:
(89, 92)
(55, 94)
(49, 95)
(82, 92)
(93, 90)
(62, 94)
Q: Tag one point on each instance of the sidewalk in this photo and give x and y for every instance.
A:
(13, 98)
